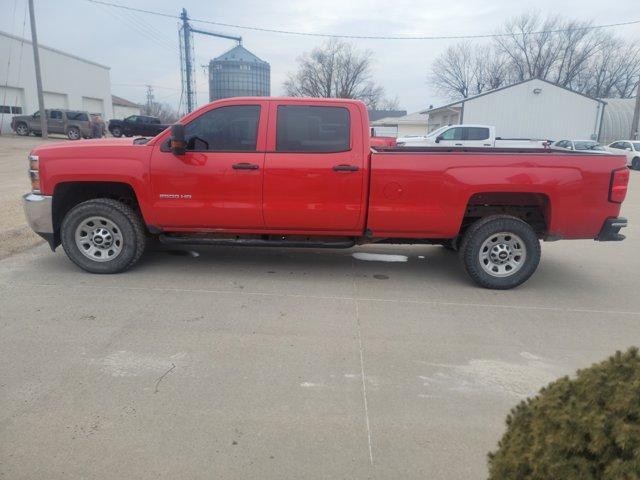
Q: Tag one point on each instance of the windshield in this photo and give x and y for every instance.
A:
(588, 146)
(438, 131)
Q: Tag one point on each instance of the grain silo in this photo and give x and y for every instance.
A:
(239, 73)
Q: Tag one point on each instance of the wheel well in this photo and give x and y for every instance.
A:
(69, 194)
(533, 208)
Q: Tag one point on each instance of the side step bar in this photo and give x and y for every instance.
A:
(252, 242)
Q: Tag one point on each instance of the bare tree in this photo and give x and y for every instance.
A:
(335, 70)
(464, 69)
(566, 52)
(165, 112)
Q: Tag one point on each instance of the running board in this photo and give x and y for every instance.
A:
(253, 242)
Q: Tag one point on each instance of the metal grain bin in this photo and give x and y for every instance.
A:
(239, 73)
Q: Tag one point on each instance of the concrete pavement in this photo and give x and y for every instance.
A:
(249, 363)
(268, 363)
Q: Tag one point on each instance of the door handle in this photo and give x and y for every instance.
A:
(345, 168)
(458, 144)
(245, 166)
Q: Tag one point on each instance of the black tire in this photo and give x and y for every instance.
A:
(522, 236)
(116, 132)
(131, 230)
(22, 129)
(635, 163)
(74, 133)
(128, 135)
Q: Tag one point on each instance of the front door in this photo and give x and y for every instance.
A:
(451, 137)
(314, 168)
(217, 183)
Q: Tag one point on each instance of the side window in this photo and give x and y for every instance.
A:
(55, 115)
(132, 118)
(615, 145)
(227, 129)
(626, 145)
(312, 129)
(452, 134)
(477, 133)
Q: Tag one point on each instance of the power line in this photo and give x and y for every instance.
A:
(360, 37)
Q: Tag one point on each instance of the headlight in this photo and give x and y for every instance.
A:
(34, 173)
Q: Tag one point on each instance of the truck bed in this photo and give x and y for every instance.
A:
(426, 192)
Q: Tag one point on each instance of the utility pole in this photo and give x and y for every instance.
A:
(186, 61)
(186, 32)
(635, 135)
(149, 99)
(36, 61)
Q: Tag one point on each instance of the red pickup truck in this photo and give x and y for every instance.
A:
(300, 173)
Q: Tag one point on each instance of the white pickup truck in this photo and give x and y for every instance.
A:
(468, 135)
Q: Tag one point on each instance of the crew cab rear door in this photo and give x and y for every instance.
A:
(314, 167)
(217, 183)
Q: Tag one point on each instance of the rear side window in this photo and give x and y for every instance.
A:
(477, 133)
(79, 116)
(55, 114)
(312, 129)
(228, 129)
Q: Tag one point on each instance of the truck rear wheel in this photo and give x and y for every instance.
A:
(116, 132)
(103, 236)
(500, 252)
(74, 133)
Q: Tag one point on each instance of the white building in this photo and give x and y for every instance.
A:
(530, 109)
(412, 124)
(68, 81)
(123, 108)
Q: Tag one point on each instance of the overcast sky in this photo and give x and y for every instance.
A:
(143, 49)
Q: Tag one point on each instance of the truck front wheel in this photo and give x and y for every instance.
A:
(22, 129)
(116, 132)
(103, 236)
(500, 252)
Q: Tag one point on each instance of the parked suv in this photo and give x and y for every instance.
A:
(75, 124)
(136, 125)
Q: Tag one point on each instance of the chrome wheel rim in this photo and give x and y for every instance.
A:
(99, 239)
(502, 254)
(74, 134)
(21, 130)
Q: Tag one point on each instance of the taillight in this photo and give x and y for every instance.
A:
(619, 182)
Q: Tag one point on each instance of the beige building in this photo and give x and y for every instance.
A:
(68, 81)
(533, 108)
(412, 124)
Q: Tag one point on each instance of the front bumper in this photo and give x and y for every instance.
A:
(610, 231)
(39, 212)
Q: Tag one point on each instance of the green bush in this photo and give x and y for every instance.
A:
(583, 428)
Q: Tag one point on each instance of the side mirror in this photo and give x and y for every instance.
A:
(177, 142)
(438, 138)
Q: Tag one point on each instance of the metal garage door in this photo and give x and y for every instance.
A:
(93, 105)
(55, 100)
(11, 103)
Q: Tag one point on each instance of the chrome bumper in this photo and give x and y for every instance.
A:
(38, 210)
